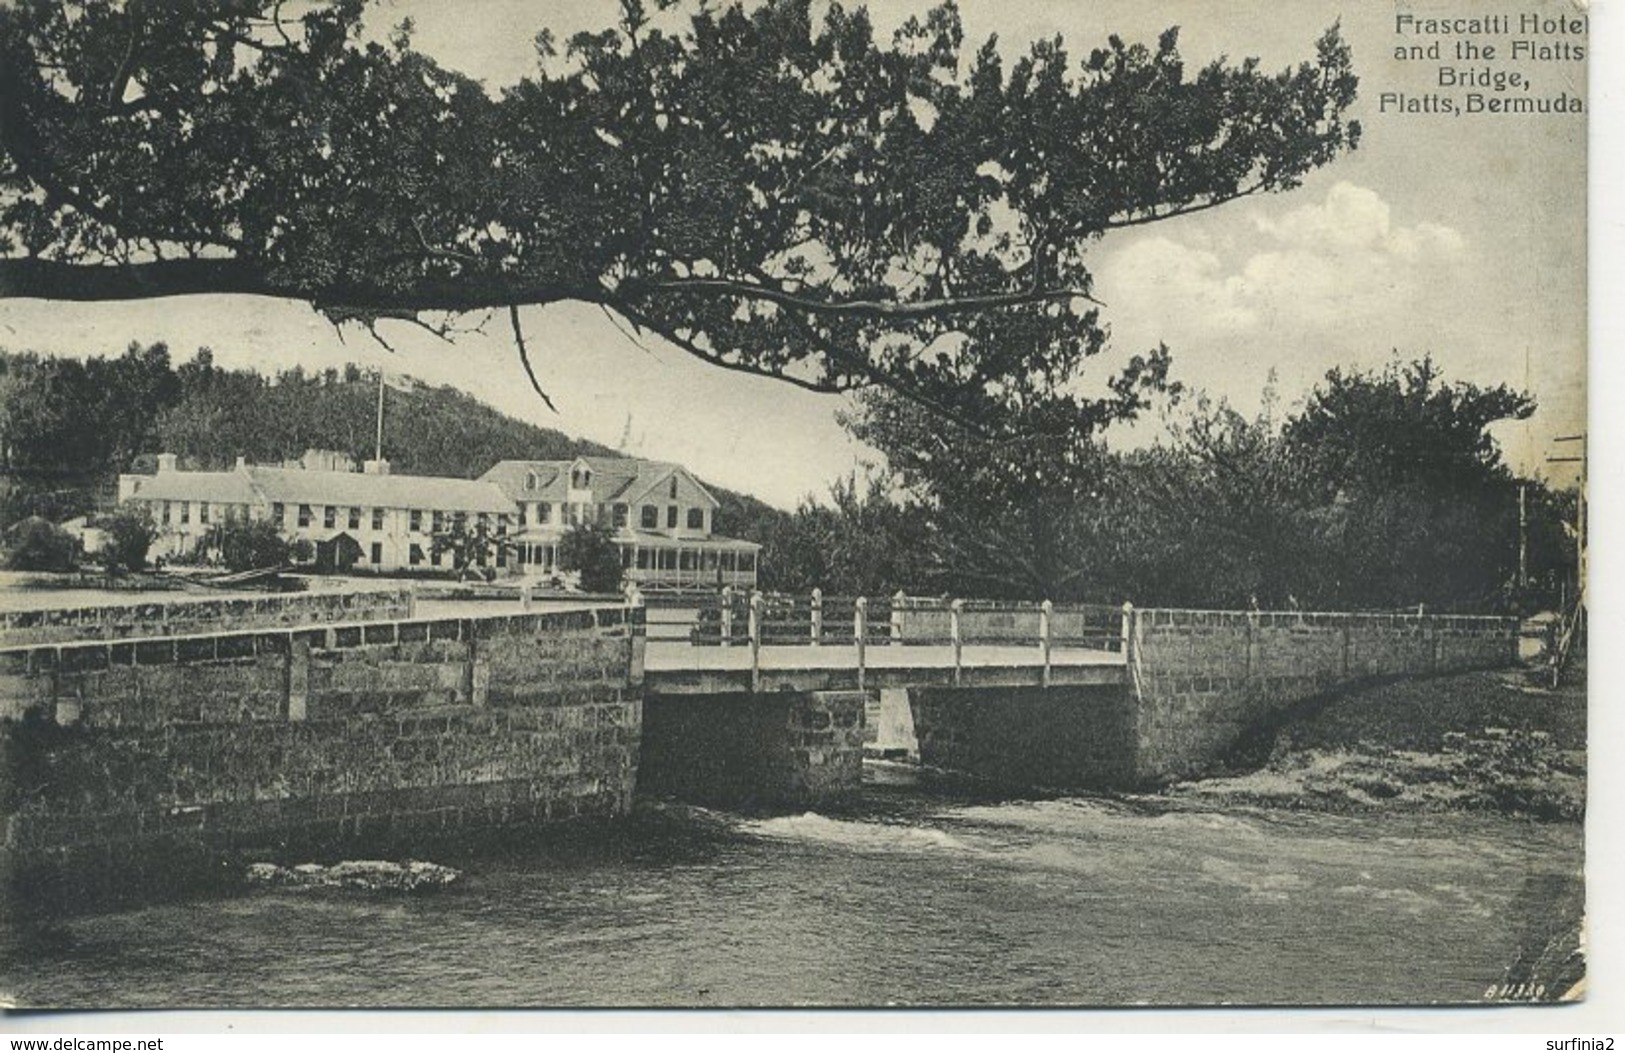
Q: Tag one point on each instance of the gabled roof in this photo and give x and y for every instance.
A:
(226, 488)
(614, 479)
(433, 492)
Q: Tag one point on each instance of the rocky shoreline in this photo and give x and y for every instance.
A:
(1482, 742)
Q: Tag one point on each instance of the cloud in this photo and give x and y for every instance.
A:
(1332, 263)
(1291, 288)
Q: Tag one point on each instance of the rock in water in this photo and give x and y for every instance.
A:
(367, 875)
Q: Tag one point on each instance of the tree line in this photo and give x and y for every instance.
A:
(1383, 490)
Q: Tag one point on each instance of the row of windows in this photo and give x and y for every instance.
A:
(304, 516)
(649, 518)
(689, 559)
(170, 512)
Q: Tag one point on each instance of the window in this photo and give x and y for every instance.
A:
(279, 513)
(671, 517)
(416, 521)
(355, 519)
(415, 555)
(530, 480)
(378, 519)
(186, 511)
(626, 559)
(618, 518)
(672, 492)
(304, 515)
(203, 511)
(649, 517)
(485, 521)
(522, 518)
(687, 559)
(580, 478)
(377, 552)
(439, 522)
(747, 561)
(165, 516)
(502, 555)
(544, 513)
(330, 517)
(643, 559)
(696, 519)
(502, 524)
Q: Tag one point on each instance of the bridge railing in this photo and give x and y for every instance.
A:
(748, 619)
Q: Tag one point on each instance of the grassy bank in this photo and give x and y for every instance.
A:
(1486, 741)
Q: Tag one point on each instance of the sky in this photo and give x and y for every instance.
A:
(1458, 237)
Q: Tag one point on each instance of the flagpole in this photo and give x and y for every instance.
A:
(378, 442)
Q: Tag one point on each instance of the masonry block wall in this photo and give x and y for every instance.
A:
(1201, 678)
(136, 764)
(1062, 737)
(190, 616)
(770, 750)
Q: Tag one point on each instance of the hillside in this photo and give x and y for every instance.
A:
(52, 462)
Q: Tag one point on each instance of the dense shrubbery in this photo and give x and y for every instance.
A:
(39, 544)
(252, 544)
(589, 549)
(130, 534)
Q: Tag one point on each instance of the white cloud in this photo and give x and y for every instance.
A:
(1333, 263)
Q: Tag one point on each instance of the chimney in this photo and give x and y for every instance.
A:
(378, 467)
(166, 463)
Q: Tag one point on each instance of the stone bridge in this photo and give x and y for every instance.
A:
(129, 760)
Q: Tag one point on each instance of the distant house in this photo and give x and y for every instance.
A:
(661, 517)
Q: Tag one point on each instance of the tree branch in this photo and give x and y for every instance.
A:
(881, 309)
(524, 355)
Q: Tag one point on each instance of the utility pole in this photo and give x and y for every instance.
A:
(1523, 536)
(1579, 514)
(378, 439)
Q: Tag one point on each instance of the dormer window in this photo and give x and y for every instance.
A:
(530, 480)
(673, 492)
(580, 477)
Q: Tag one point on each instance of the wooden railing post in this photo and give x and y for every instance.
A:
(956, 637)
(816, 607)
(1046, 612)
(725, 618)
(1128, 629)
(860, 632)
(755, 641)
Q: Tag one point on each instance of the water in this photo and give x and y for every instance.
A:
(908, 898)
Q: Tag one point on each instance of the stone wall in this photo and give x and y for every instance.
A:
(178, 617)
(768, 750)
(1202, 677)
(1062, 737)
(139, 764)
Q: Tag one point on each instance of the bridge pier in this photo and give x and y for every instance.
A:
(784, 749)
(1079, 737)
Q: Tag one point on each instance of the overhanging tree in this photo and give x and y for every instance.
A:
(773, 196)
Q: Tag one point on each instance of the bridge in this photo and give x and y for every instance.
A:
(190, 731)
(730, 641)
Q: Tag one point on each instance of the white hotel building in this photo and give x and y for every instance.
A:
(661, 517)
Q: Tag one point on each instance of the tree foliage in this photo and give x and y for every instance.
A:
(589, 550)
(130, 534)
(469, 542)
(248, 544)
(39, 544)
(797, 199)
(1384, 489)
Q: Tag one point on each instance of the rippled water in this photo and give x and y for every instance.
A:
(910, 897)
